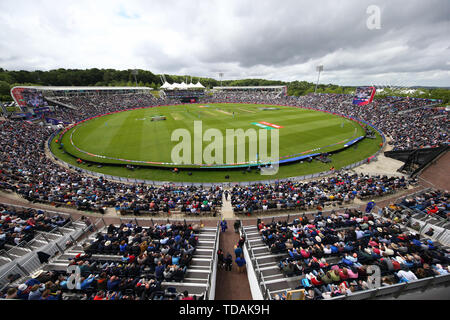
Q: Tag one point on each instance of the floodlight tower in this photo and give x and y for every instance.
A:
(135, 73)
(220, 76)
(318, 69)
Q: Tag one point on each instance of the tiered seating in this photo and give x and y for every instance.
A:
(46, 233)
(175, 200)
(335, 190)
(245, 96)
(90, 106)
(24, 230)
(26, 97)
(17, 93)
(425, 211)
(129, 262)
(432, 202)
(329, 256)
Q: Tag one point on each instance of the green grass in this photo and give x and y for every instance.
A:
(125, 136)
(132, 136)
(13, 109)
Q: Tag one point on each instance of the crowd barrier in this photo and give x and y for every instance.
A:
(210, 291)
(254, 268)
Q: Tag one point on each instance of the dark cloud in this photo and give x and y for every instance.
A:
(266, 39)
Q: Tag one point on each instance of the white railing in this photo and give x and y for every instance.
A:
(248, 250)
(210, 291)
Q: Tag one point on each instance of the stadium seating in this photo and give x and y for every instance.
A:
(20, 226)
(127, 262)
(27, 97)
(26, 170)
(30, 233)
(425, 211)
(347, 242)
(434, 203)
(23, 158)
(339, 189)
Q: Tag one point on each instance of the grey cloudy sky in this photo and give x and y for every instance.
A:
(280, 40)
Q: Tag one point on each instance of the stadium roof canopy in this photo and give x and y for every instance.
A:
(198, 85)
(249, 88)
(50, 88)
(49, 91)
(165, 85)
(181, 86)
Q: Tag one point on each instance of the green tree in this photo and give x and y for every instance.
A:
(4, 88)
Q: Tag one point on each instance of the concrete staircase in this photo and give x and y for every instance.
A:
(40, 240)
(267, 263)
(196, 276)
(227, 208)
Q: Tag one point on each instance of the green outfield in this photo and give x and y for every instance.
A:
(131, 137)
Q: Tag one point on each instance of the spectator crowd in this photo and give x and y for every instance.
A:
(127, 262)
(20, 225)
(332, 254)
(431, 202)
(339, 189)
(25, 168)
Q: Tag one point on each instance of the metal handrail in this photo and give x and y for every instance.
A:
(48, 213)
(211, 267)
(259, 275)
(5, 252)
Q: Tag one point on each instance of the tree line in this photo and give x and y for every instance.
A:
(145, 78)
(424, 93)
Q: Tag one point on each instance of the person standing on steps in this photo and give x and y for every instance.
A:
(240, 261)
(228, 262)
(237, 224)
(241, 241)
(237, 251)
(220, 259)
(226, 195)
(223, 225)
(370, 206)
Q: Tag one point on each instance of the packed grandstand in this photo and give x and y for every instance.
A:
(318, 245)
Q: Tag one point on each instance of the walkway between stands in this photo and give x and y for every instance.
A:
(227, 208)
(231, 285)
